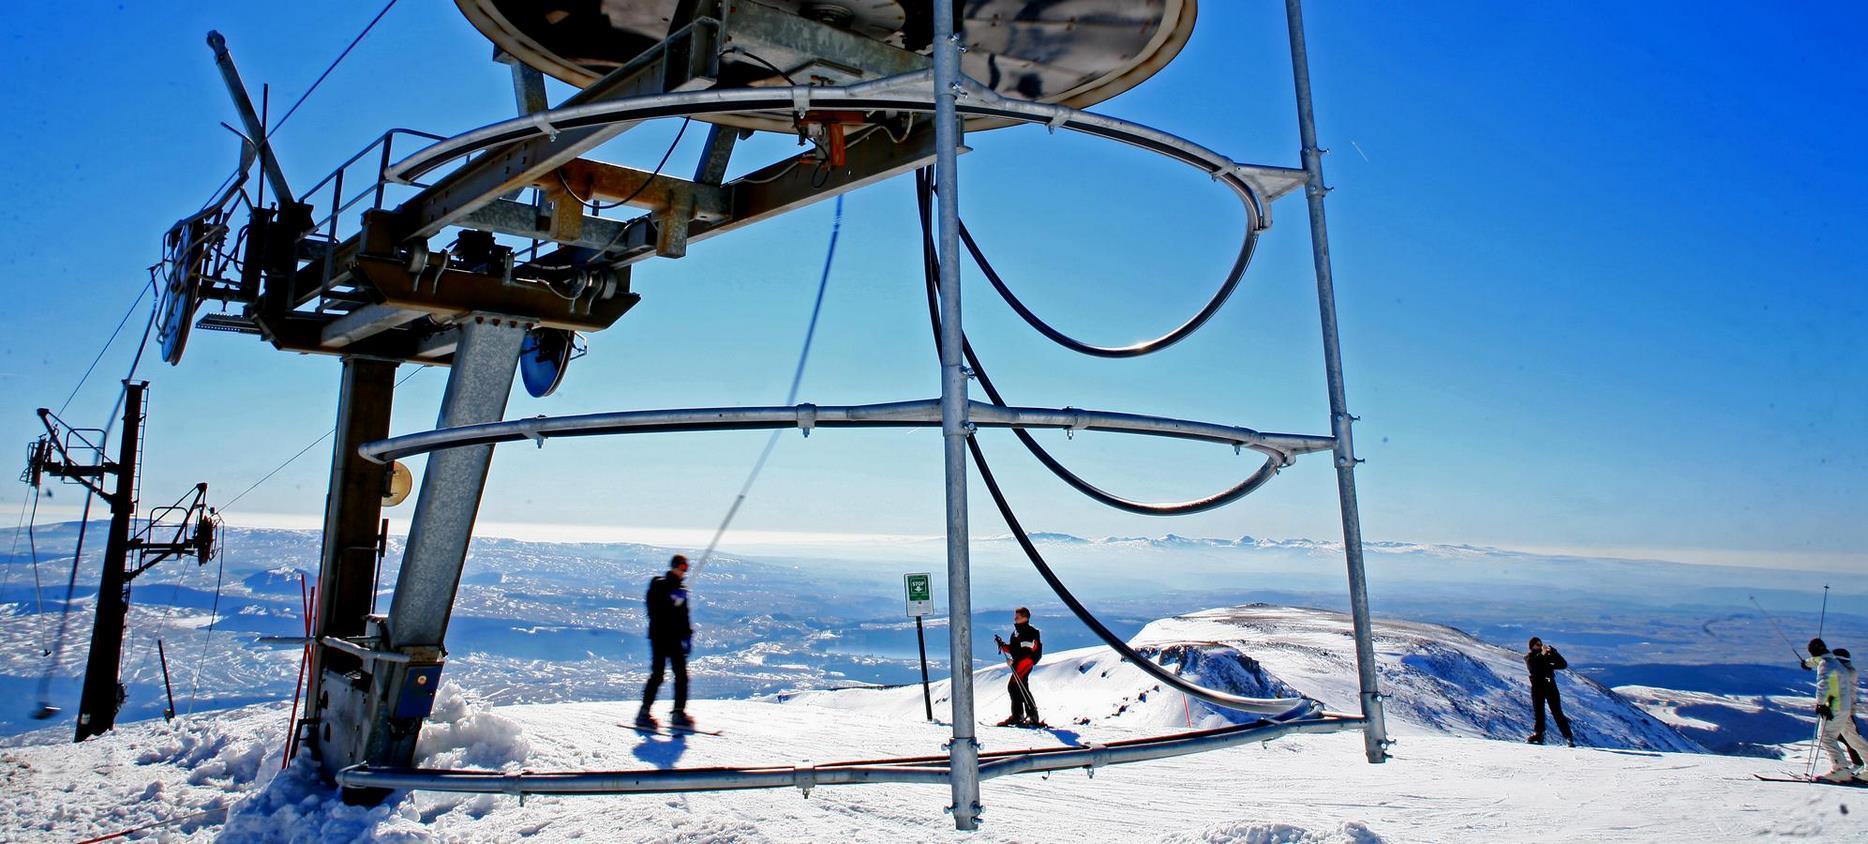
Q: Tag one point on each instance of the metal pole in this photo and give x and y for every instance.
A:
(1375, 731)
(927, 694)
(167, 689)
(103, 689)
(964, 749)
(254, 122)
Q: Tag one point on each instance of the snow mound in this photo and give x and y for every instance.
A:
(296, 806)
(462, 734)
(1247, 832)
(1438, 680)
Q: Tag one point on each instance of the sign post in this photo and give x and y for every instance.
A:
(920, 589)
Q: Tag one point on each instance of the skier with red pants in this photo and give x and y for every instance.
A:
(1544, 662)
(1023, 652)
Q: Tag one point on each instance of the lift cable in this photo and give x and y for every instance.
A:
(107, 343)
(56, 653)
(6, 580)
(333, 66)
(1279, 708)
(924, 188)
(214, 615)
(791, 396)
(301, 452)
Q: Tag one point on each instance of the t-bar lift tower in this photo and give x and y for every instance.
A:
(477, 252)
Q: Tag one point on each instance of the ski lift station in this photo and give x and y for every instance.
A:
(492, 251)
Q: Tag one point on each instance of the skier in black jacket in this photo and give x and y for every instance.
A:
(671, 638)
(1544, 662)
(1023, 652)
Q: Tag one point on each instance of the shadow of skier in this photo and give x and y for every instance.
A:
(1070, 738)
(661, 751)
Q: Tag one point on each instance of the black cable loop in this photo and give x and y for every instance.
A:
(1246, 487)
(1180, 333)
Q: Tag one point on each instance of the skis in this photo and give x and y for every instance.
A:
(1811, 780)
(669, 729)
(1038, 726)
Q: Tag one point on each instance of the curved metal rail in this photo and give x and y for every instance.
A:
(923, 770)
(1280, 449)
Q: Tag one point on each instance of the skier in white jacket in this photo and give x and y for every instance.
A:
(1835, 706)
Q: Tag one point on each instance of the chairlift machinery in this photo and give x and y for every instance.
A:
(186, 528)
(479, 252)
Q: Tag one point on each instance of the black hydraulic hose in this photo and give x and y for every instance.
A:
(1185, 329)
(1279, 708)
(1180, 508)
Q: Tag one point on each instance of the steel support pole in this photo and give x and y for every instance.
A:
(103, 688)
(1375, 729)
(353, 510)
(402, 688)
(963, 752)
(478, 386)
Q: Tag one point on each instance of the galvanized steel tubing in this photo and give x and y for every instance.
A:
(906, 414)
(887, 94)
(923, 770)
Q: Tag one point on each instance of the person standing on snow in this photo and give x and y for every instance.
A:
(671, 639)
(1835, 708)
(1544, 662)
(1023, 652)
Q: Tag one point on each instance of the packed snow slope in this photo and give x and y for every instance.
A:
(1438, 680)
(216, 776)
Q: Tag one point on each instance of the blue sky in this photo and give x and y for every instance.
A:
(1599, 267)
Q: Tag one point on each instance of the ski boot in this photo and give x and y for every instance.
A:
(681, 719)
(1535, 738)
(646, 720)
(1011, 721)
(1839, 775)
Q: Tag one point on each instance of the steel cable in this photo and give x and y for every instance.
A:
(791, 396)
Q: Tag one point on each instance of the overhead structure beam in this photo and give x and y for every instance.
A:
(760, 195)
(522, 164)
(904, 414)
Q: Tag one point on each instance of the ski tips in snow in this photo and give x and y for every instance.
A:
(1849, 783)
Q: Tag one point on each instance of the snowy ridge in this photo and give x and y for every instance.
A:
(1438, 680)
(216, 776)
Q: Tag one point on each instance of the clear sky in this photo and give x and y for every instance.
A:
(1600, 270)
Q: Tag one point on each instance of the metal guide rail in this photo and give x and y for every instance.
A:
(921, 770)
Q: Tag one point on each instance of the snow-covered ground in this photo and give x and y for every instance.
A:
(1305, 789)
(1438, 680)
(218, 774)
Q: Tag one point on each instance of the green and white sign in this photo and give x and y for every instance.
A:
(920, 589)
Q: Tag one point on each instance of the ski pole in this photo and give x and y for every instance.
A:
(1817, 743)
(1774, 626)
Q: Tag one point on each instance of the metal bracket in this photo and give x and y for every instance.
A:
(805, 776)
(807, 418)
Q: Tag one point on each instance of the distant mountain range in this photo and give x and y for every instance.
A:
(1175, 541)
